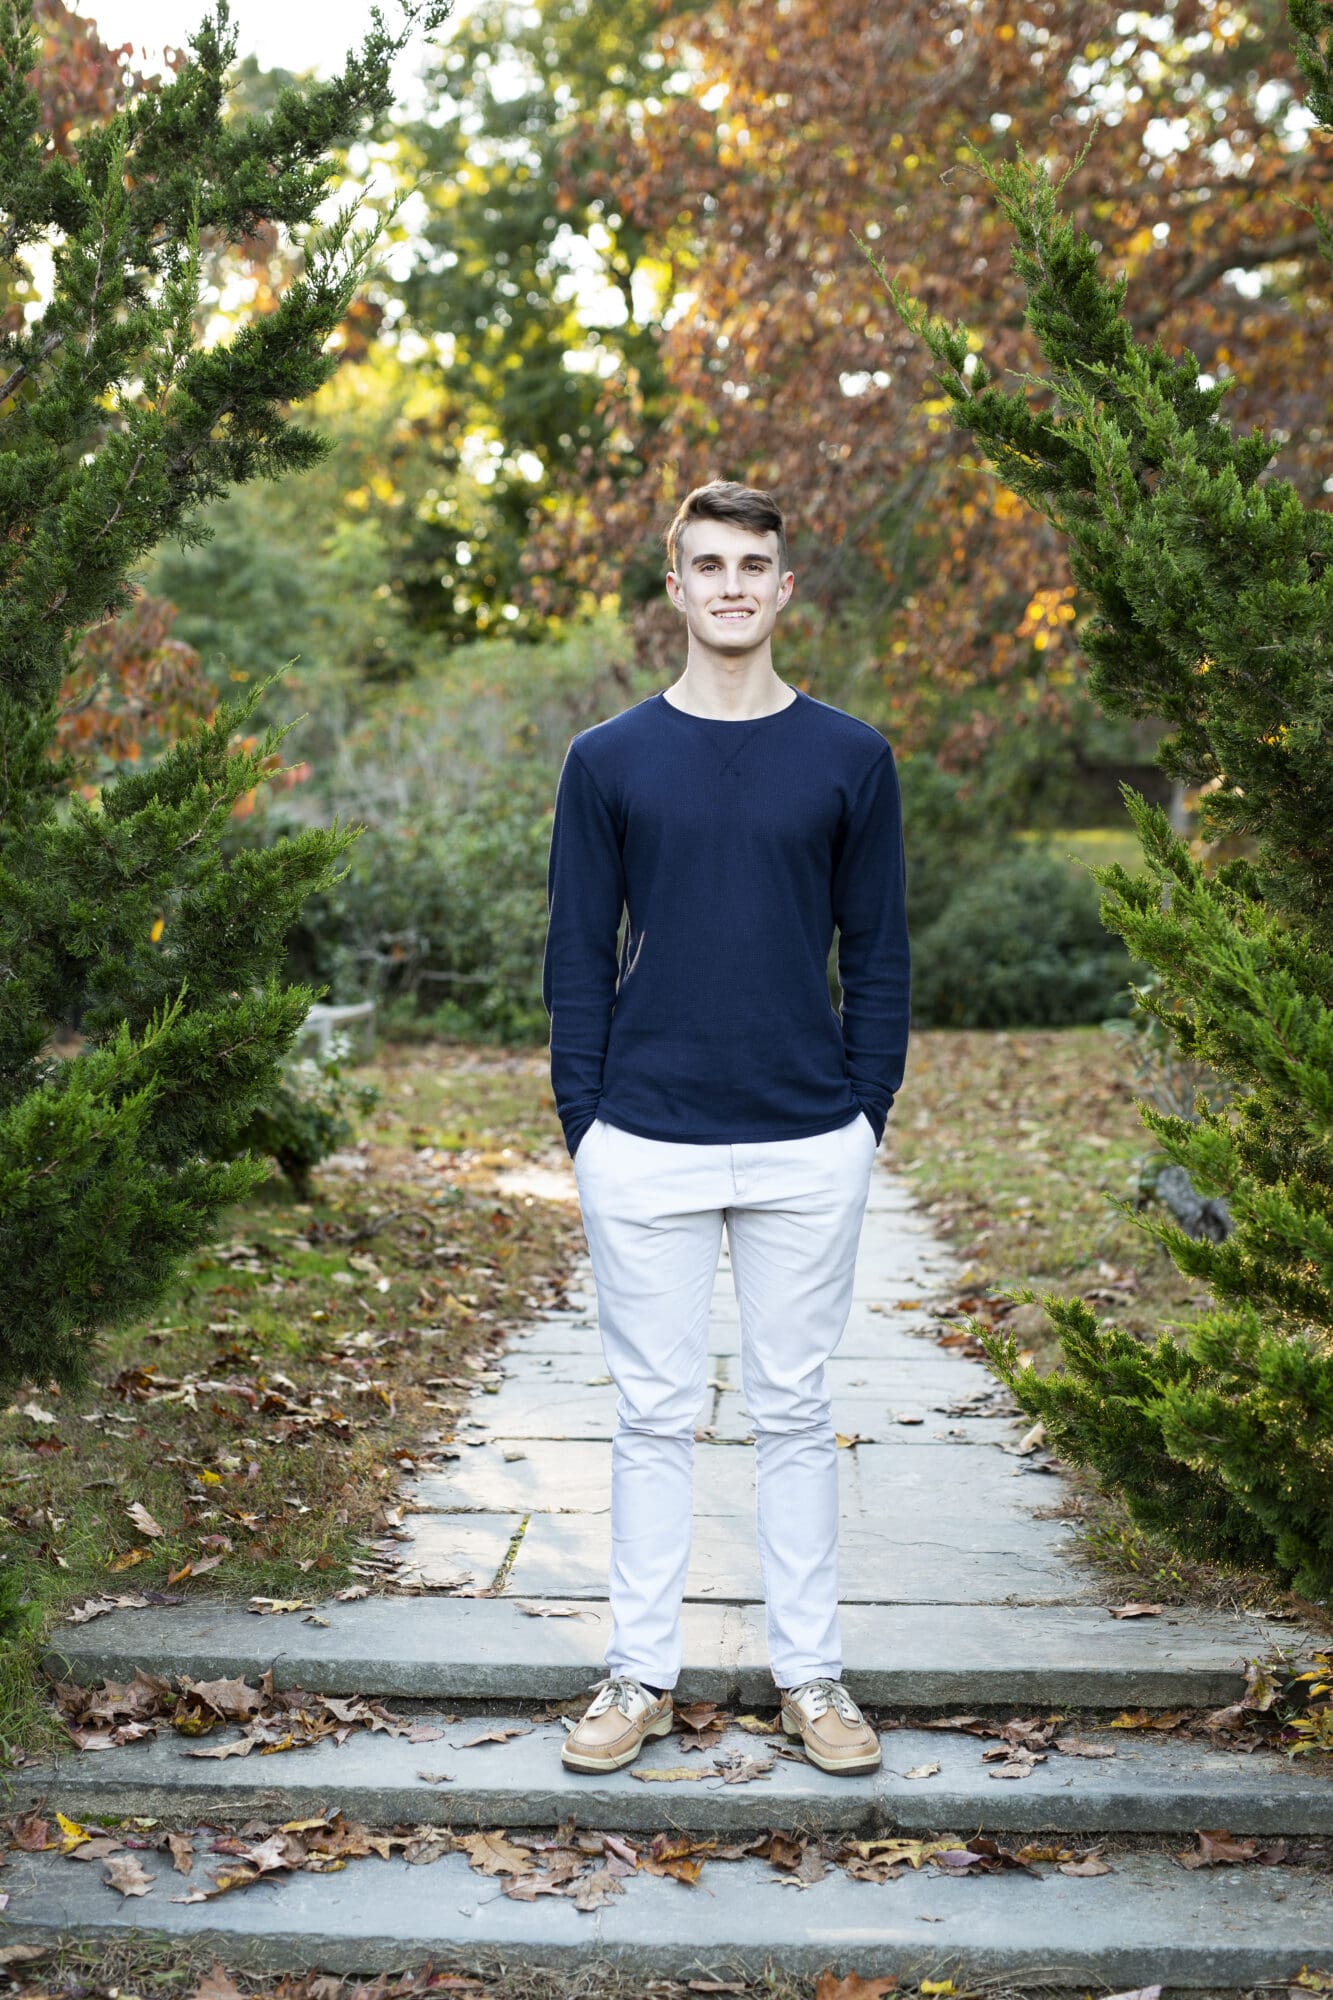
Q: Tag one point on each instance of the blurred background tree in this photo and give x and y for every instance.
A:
(629, 263)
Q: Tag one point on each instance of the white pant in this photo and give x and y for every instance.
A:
(653, 1211)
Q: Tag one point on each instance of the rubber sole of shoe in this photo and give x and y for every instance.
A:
(662, 1727)
(837, 1765)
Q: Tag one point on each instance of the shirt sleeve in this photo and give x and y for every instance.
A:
(585, 893)
(874, 965)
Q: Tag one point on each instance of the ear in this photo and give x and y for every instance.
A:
(785, 588)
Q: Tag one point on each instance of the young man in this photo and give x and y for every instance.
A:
(703, 1078)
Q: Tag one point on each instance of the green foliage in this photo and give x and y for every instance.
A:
(448, 912)
(119, 916)
(1105, 1410)
(1003, 935)
(514, 157)
(1019, 943)
(305, 1115)
(1213, 592)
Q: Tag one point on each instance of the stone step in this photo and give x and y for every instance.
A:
(1150, 1784)
(919, 1657)
(1149, 1920)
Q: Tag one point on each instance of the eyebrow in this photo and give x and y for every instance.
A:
(710, 555)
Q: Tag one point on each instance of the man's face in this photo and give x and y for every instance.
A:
(728, 584)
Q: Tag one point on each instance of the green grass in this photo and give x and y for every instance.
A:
(1091, 845)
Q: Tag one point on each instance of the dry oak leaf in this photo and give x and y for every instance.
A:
(735, 1768)
(97, 1607)
(1219, 1849)
(1087, 1864)
(267, 1607)
(895, 1852)
(240, 1746)
(126, 1873)
(217, 1984)
(829, 1987)
(143, 1520)
(493, 1736)
(1137, 1610)
(232, 1699)
(676, 1857)
(181, 1847)
(754, 1726)
(593, 1890)
(1139, 1718)
(492, 1854)
(922, 1771)
(1082, 1746)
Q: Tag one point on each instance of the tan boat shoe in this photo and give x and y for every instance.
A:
(612, 1729)
(836, 1735)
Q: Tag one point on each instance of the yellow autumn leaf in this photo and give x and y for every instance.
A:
(677, 1774)
(155, 933)
(74, 1835)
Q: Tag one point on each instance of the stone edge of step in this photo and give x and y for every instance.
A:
(1146, 1919)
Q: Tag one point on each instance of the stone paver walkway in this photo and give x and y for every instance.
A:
(962, 1591)
(938, 1507)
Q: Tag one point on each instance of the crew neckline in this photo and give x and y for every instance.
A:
(730, 722)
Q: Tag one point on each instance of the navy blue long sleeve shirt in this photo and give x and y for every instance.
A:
(732, 849)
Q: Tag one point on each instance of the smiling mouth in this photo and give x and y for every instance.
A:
(733, 617)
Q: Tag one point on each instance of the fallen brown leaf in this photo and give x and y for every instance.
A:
(233, 1699)
(828, 1986)
(126, 1873)
(592, 1891)
(922, 1771)
(1087, 1864)
(738, 1769)
(1138, 1611)
(241, 1746)
(217, 1984)
(494, 1736)
(1081, 1746)
(1219, 1849)
(143, 1520)
(493, 1854)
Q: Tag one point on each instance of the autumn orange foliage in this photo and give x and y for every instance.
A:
(809, 126)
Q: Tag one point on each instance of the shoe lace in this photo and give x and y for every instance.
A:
(825, 1694)
(617, 1691)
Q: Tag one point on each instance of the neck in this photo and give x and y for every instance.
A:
(729, 690)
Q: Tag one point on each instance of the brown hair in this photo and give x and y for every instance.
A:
(727, 500)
